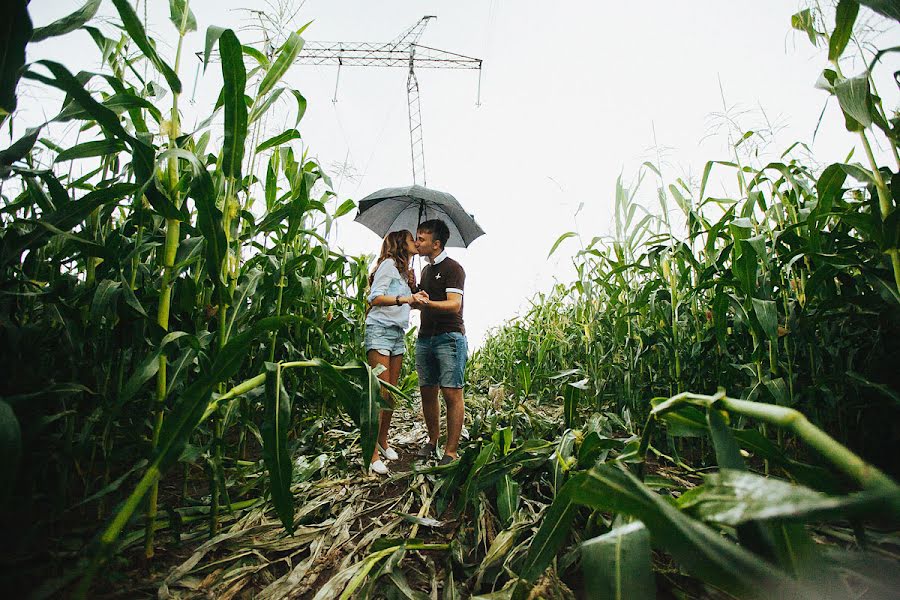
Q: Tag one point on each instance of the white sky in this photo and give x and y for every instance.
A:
(571, 93)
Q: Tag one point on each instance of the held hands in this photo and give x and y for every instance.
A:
(419, 300)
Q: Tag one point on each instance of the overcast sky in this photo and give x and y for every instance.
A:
(571, 94)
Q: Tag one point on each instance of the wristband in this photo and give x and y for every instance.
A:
(397, 300)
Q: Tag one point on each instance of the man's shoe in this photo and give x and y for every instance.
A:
(378, 467)
(427, 450)
(388, 453)
(446, 460)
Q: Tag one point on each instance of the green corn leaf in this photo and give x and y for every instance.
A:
(277, 140)
(886, 8)
(213, 33)
(345, 207)
(260, 108)
(135, 29)
(178, 16)
(105, 296)
(806, 22)
(18, 150)
(856, 101)
(555, 526)
(559, 460)
(843, 29)
(91, 149)
(235, 80)
(186, 415)
(617, 565)
(301, 105)
(701, 551)
(732, 497)
(142, 157)
(68, 23)
(728, 454)
(118, 103)
(145, 371)
(470, 487)
(287, 54)
(507, 499)
(571, 395)
(744, 267)
(829, 188)
(274, 430)
(766, 312)
(15, 31)
(210, 224)
(63, 219)
(256, 55)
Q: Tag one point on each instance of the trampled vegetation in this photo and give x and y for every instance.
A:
(707, 411)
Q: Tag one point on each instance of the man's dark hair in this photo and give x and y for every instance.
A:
(438, 230)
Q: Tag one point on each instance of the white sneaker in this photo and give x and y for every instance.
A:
(378, 467)
(388, 453)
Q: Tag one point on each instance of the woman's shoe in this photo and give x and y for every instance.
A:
(388, 453)
(378, 467)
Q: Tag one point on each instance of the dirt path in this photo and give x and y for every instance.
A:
(343, 516)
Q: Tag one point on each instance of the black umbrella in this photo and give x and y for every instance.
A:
(391, 209)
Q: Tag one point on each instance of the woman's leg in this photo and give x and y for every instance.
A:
(375, 358)
(384, 422)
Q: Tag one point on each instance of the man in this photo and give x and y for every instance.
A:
(441, 349)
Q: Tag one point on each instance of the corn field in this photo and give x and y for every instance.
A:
(709, 410)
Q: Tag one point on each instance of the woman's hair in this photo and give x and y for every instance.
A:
(394, 247)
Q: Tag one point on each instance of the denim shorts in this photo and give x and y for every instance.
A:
(441, 360)
(388, 340)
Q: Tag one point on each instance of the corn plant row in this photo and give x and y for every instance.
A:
(783, 291)
(169, 296)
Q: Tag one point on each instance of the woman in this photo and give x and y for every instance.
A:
(390, 294)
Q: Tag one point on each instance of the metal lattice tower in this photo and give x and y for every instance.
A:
(403, 51)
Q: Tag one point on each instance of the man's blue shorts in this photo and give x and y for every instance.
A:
(441, 360)
(388, 340)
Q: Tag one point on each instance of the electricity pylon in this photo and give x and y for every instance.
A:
(403, 51)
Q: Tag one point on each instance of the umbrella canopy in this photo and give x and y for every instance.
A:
(391, 209)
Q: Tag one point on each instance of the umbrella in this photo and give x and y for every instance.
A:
(391, 209)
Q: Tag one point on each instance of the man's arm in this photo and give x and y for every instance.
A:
(453, 304)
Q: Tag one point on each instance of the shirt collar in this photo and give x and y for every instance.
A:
(439, 258)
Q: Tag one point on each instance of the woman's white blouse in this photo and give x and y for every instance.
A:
(389, 282)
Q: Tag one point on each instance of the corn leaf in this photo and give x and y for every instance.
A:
(135, 29)
(15, 31)
(234, 75)
(287, 54)
(617, 565)
(274, 430)
(277, 140)
(209, 222)
(178, 17)
(68, 23)
(843, 28)
(856, 101)
(91, 149)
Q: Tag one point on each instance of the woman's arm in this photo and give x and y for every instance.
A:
(391, 300)
(386, 272)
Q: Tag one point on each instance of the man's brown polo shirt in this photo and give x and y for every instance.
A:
(444, 275)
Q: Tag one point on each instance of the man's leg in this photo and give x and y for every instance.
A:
(453, 397)
(431, 410)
